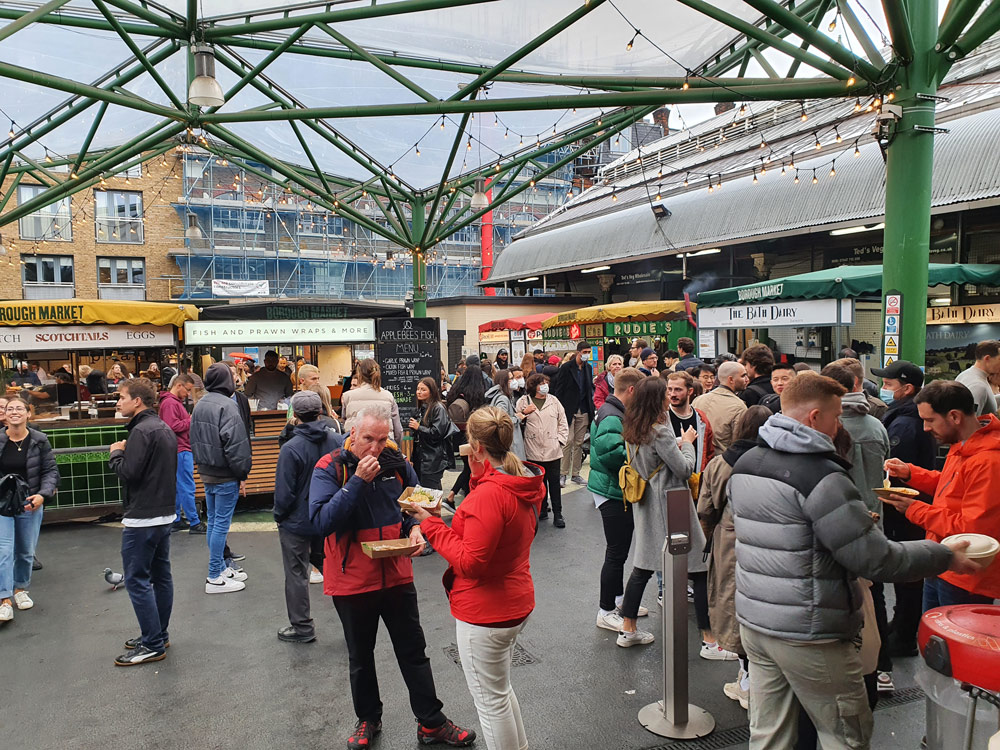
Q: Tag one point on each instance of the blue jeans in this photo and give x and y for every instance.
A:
(18, 537)
(150, 586)
(220, 502)
(185, 488)
(939, 593)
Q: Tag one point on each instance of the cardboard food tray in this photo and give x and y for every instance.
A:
(388, 548)
(883, 493)
(405, 504)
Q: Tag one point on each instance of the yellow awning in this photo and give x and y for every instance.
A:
(620, 312)
(89, 312)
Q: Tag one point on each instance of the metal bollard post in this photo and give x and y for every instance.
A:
(673, 716)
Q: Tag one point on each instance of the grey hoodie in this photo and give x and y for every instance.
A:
(803, 536)
(869, 450)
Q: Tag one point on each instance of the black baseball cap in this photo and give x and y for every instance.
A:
(903, 371)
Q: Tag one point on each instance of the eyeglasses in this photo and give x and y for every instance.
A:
(17, 409)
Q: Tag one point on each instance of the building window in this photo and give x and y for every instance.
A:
(121, 278)
(118, 216)
(132, 172)
(47, 276)
(53, 222)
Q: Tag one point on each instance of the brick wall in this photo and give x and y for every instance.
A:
(162, 230)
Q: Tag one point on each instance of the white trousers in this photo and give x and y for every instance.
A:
(486, 655)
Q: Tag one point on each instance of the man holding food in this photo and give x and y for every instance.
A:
(964, 491)
(353, 498)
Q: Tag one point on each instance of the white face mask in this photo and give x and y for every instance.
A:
(543, 389)
(585, 357)
(518, 383)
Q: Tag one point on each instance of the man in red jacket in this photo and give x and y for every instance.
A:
(964, 491)
(172, 412)
(352, 499)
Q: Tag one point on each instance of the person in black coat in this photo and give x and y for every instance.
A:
(311, 439)
(432, 427)
(908, 442)
(573, 385)
(146, 464)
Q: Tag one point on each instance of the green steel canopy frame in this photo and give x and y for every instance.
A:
(418, 217)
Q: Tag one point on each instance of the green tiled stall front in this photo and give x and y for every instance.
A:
(82, 457)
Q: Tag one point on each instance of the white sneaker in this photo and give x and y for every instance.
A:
(643, 611)
(735, 691)
(659, 600)
(235, 575)
(637, 638)
(562, 480)
(22, 600)
(715, 652)
(315, 576)
(609, 620)
(883, 681)
(222, 585)
(6, 612)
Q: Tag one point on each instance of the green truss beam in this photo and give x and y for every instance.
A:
(757, 55)
(982, 29)
(854, 24)
(88, 22)
(899, 29)
(817, 19)
(11, 190)
(89, 138)
(30, 17)
(312, 159)
(174, 25)
(449, 162)
(956, 18)
(336, 16)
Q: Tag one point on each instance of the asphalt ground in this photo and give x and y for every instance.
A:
(227, 682)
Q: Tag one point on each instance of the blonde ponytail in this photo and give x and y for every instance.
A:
(493, 429)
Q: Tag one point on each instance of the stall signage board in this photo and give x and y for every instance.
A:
(76, 338)
(407, 349)
(806, 312)
(213, 332)
(706, 344)
(638, 328)
(574, 332)
(494, 337)
(963, 314)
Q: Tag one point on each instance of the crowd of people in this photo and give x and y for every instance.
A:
(791, 548)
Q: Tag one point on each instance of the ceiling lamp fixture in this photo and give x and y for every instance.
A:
(205, 91)
(479, 199)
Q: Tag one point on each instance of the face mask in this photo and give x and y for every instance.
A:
(543, 390)
(585, 357)
(886, 395)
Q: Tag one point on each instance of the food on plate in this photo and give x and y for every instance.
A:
(423, 498)
(884, 492)
(886, 484)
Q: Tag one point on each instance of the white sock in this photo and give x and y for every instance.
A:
(745, 682)
(604, 612)
(619, 600)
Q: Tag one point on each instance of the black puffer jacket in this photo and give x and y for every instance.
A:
(309, 442)
(43, 474)
(431, 439)
(219, 441)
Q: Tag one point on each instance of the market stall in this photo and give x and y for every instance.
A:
(611, 328)
(811, 316)
(64, 335)
(517, 335)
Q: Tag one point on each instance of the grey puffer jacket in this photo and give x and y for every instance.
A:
(219, 442)
(803, 536)
(869, 449)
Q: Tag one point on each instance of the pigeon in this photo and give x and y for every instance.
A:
(115, 579)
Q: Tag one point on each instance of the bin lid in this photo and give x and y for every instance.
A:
(963, 641)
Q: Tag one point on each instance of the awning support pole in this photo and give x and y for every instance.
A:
(909, 170)
(417, 209)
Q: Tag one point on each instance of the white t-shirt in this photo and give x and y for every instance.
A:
(977, 381)
(143, 523)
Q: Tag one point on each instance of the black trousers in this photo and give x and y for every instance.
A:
(882, 623)
(295, 554)
(397, 608)
(618, 527)
(907, 611)
(699, 584)
(431, 479)
(554, 496)
(634, 590)
(462, 483)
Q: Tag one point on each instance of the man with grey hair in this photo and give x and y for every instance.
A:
(722, 405)
(353, 498)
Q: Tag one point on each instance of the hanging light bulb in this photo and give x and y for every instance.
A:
(796, 177)
(755, 180)
(686, 179)
(851, 81)
(506, 132)
(496, 120)
(837, 136)
(10, 133)
(614, 195)
(468, 145)
(782, 169)
(205, 90)
(804, 116)
(833, 24)
(833, 168)
(818, 145)
(659, 192)
(791, 165)
(814, 177)
(48, 156)
(418, 150)
(743, 109)
(628, 47)
(857, 151)
(686, 85)
(857, 105)
(442, 122)
(711, 187)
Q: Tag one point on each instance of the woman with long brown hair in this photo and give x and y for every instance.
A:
(653, 450)
(431, 429)
(489, 575)
(370, 390)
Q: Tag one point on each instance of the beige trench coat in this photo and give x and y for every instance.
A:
(722, 563)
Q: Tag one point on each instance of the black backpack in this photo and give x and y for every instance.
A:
(13, 495)
(772, 401)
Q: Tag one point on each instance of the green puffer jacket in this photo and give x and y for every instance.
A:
(607, 449)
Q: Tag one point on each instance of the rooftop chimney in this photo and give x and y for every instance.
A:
(662, 118)
(724, 107)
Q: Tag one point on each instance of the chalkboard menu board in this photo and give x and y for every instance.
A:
(407, 349)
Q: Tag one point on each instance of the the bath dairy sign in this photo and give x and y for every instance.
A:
(808, 312)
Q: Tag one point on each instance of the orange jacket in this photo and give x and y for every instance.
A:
(965, 500)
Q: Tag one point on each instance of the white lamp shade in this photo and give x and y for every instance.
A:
(205, 92)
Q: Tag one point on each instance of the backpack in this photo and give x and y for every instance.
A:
(772, 401)
(631, 481)
(458, 411)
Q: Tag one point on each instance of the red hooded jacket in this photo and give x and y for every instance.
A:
(964, 500)
(488, 547)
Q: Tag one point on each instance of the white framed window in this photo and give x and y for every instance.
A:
(47, 269)
(118, 216)
(121, 278)
(53, 222)
(132, 172)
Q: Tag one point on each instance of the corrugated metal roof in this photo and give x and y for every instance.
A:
(966, 169)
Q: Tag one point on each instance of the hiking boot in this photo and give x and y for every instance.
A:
(364, 733)
(446, 734)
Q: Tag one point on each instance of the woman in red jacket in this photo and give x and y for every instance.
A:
(489, 576)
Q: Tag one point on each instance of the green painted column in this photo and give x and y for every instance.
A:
(419, 264)
(909, 170)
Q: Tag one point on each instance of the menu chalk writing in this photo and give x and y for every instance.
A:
(407, 349)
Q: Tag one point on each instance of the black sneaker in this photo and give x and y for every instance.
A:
(230, 555)
(133, 643)
(364, 733)
(558, 522)
(35, 565)
(543, 514)
(139, 655)
(198, 528)
(446, 734)
(288, 633)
